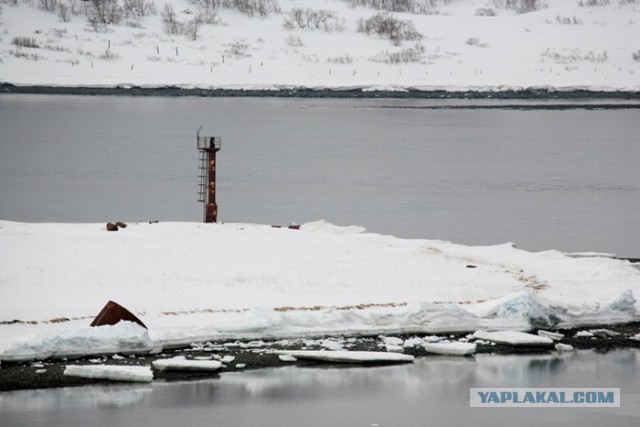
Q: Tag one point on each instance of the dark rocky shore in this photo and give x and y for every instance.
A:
(49, 373)
(174, 91)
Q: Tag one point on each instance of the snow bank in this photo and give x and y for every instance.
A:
(71, 342)
(323, 226)
(268, 283)
(109, 372)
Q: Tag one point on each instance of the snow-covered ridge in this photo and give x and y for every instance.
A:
(192, 282)
(563, 46)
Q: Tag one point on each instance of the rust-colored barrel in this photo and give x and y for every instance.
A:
(113, 313)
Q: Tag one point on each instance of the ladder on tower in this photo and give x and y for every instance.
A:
(202, 176)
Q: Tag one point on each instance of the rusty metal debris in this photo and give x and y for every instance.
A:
(113, 313)
(114, 227)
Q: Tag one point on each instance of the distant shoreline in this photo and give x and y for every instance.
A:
(340, 93)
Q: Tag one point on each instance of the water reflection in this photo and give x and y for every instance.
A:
(433, 391)
(109, 397)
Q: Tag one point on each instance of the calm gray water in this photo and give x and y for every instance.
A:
(432, 392)
(541, 178)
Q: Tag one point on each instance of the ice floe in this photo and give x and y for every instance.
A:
(111, 372)
(349, 356)
(180, 363)
(450, 348)
(513, 338)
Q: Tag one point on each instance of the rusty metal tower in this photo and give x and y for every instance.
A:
(208, 146)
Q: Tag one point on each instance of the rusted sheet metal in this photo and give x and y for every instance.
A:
(113, 313)
(211, 213)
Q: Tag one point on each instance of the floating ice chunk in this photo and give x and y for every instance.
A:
(332, 344)
(41, 371)
(450, 348)
(432, 338)
(253, 344)
(636, 337)
(413, 342)
(111, 372)
(393, 341)
(513, 338)
(232, 344)
(179, 363)
(583, 334)
(563, 347)
(553, 335)
(228, 359)
(240, 366)
(287, 358)
(604, 333)
(394, 348)
(350, 356)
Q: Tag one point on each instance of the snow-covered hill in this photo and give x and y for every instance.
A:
(449, 44)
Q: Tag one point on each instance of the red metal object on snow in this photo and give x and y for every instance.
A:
(113, 313)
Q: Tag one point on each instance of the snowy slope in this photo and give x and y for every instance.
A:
(196, 282)
(562, 45)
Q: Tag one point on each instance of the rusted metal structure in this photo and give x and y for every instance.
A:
(208, 146)
(113, 313)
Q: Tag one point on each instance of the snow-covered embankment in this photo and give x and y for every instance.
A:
(198, 282)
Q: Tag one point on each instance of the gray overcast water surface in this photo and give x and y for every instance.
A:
(432, 392)
(564, 179)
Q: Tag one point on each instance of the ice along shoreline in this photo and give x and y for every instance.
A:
(251, 355)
